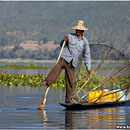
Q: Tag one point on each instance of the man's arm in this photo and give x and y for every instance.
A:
(87, 56)
(64, 39)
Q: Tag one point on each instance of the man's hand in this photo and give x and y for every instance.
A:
(65, 38)
(89, 72)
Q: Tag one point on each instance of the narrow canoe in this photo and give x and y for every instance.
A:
(87, 106)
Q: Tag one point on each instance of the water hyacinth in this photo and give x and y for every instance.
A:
(20, 80)
(36, 80)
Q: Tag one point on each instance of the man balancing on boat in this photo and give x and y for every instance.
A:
(76, 46)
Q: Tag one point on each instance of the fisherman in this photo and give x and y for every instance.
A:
(76, 47)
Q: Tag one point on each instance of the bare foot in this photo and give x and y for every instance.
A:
(44, 83)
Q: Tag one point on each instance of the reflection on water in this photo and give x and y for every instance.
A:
(94, 119)
(18, 109)
(69, 119)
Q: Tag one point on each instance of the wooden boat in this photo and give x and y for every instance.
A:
(97, 93)
(73, 106)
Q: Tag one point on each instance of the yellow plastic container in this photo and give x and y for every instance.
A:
(94, 96)
(110, 96)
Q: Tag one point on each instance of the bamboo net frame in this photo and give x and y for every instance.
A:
(76, 98)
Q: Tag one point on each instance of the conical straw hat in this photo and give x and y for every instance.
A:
(80, 26)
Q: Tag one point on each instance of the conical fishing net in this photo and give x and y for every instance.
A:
(109, 80)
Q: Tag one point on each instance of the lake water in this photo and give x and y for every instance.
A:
(106, 72)
(26, 71)
(18, 110)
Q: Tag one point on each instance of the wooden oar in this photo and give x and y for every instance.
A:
(43, 101)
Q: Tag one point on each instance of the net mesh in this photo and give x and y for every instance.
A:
(110, 69)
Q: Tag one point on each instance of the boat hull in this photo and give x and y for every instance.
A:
(95, 105)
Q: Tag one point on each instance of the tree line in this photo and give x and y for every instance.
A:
(108, 22)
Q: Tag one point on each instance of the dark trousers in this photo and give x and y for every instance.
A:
(69, 76)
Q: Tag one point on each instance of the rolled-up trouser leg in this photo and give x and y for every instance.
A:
(69, 77)
(54, 73)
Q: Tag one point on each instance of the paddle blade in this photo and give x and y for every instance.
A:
(43, 101)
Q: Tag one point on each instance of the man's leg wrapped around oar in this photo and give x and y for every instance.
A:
(69, 77)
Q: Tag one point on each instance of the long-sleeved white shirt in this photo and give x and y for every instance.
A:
(75, 49)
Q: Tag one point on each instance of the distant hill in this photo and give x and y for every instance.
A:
(108, 22)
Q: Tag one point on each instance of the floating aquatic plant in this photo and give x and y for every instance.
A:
(36, 80)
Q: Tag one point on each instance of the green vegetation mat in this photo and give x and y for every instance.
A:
(36, 80)
(30, 66)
